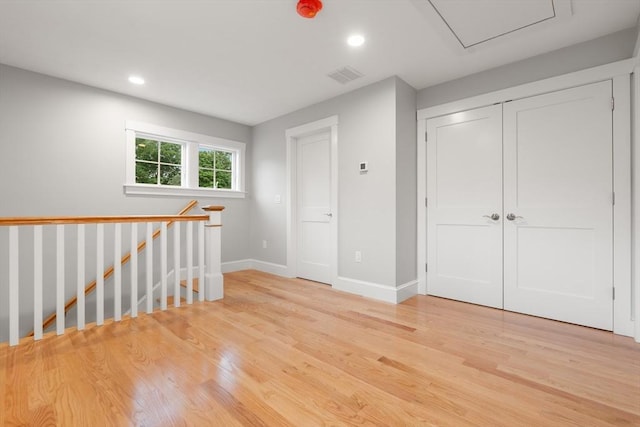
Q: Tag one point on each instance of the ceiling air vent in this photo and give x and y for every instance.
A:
(345, 75)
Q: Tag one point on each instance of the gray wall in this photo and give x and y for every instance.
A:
(636, 49)
(366, 202)
(406, 187)
(62, 152)
(635, 196)
(64, 143)
(603, 50)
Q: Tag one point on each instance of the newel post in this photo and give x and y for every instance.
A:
(213, 280)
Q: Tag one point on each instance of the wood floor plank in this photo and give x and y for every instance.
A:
(287, 352)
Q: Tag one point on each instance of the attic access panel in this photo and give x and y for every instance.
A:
(476, 21)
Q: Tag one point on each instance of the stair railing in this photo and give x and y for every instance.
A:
(91, 286)
(208, 255)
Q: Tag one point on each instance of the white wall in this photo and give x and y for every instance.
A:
(366, 132)
(636, 49)
(603, 50)
(612, 48)
(406, 184)
(635, 176)
(635, 185)
(62, 152)
(366, 202)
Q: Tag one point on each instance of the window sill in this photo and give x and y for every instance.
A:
(155, 190)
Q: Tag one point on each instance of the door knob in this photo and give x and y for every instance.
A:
(493, 216)
(512, 216)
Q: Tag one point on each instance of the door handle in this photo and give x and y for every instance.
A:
(513, 217)
(493, 216)
(328, 214)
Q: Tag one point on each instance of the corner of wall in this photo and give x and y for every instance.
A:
(635, 193)
(602, 50)
(636, 48)
(406, 183)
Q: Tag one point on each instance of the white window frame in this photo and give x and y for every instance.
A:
(191, 143)
(234, 163)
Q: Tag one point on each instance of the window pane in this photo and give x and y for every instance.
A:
(170, 175)
(146, 149)
(223, 161)
(146, 173)
(206, 158)
(170, 153)
(223, 179)
(206, 178)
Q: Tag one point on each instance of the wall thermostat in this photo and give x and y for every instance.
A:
(364, 167)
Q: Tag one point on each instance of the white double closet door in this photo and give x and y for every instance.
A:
(519, 212)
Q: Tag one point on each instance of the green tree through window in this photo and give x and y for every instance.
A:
(215, 168)
(158, 162)
(173, 162)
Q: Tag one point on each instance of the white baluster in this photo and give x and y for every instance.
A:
(134, 269)
(14, 265)
(80, 281)
(37, 282)
(214, 286)
(117, 273)
(163, 266)
(149, 272)
(100, 274)
(201, 266)
(60, 279)
(190, 262)
(176, 264)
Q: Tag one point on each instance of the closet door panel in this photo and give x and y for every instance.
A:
(464, 188)
(558, 253)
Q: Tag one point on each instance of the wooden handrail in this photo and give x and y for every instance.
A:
(125, 259)
(99, 219)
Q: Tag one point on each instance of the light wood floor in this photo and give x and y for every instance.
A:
(279, 352)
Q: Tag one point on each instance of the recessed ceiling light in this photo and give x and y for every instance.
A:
(355, 40)
(136, 80)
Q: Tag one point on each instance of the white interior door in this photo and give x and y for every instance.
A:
(558, 252)
(464, 189)
(313, 195)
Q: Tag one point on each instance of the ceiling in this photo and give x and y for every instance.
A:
(252, 60)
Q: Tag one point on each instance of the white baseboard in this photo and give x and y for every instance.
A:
(248, 264)
(242, 264)
(269, 267)
(407, 290)
(377, 291)
(227, 267)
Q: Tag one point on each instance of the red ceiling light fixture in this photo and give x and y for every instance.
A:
(309, 8)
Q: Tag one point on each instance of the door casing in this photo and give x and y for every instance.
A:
(329, 124)
(619, 73)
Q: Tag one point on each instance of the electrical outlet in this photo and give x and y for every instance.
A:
(358, 256)
(264, 244)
